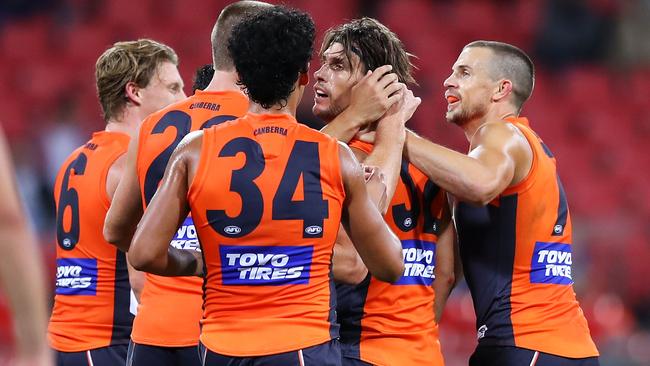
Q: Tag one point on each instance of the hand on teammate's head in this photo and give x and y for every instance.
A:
(393, 122)
(374, 94)
(410, 104)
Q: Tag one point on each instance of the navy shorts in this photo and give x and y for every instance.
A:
(145, 355)
(348, 361)
(326, 354)
(105, 356)
(514, 356)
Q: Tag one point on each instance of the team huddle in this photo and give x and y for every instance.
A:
(247, 238)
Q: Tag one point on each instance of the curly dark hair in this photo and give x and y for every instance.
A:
(270, 49)
(202, 77)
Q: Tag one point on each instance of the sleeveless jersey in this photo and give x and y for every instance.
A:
(517, 256)
(266, 201)
(393, 325)
(178, 300)
(91, 304)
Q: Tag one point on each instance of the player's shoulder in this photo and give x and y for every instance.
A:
(308, 132)
(102, 142)
(497, 132)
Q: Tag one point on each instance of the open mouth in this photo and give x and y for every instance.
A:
(319, 93)
(451, 99)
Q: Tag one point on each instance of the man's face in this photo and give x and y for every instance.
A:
(165, 88)
(469, 88)
(334, 81)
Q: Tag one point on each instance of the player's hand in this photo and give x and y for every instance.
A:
(374, 94)
(410, 104)
(376, 185)
(392, 124)
(403, 110)
(372, 172)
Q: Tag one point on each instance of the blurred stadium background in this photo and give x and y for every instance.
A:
(591, 105)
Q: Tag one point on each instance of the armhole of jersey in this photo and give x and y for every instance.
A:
(102, 183)
(528, 181)
(196, 185)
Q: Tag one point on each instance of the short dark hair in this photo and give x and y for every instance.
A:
(125, 62)
(270, 50)
(374, 43)
(511, 63)
(202, 77)
(228, 18)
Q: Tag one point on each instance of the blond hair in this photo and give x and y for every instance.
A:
(132, 61)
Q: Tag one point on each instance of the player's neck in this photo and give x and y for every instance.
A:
(222, 81)
(275, 109)
(127, 123)
(494, 114)
(289, 107)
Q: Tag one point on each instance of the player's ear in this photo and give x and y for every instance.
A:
(304, 79)
(132, 93)
(503, 89)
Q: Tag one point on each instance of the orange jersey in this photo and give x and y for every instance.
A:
(392, 325)
(266, 201)
(176, 299)
(91, 305)
(517, 255)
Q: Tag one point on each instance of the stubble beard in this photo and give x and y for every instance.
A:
(464, 115)
(328, 114)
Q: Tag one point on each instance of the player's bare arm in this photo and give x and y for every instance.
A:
(499, 157)
(370, 98)
(115, 173)
(448, 266)
(150, 250)
(379, 248)
(126, 208)
(347, 266)
(21, 259)
(389, 141)
(386, 158)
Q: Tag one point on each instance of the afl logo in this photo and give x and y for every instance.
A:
(313, 230)
(408, 222)
(67, 244)
(232, 230)
(558, 229)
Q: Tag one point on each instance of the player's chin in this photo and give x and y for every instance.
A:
(319, 110)
(452, 117)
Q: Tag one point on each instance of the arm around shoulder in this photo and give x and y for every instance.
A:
(476, 178)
